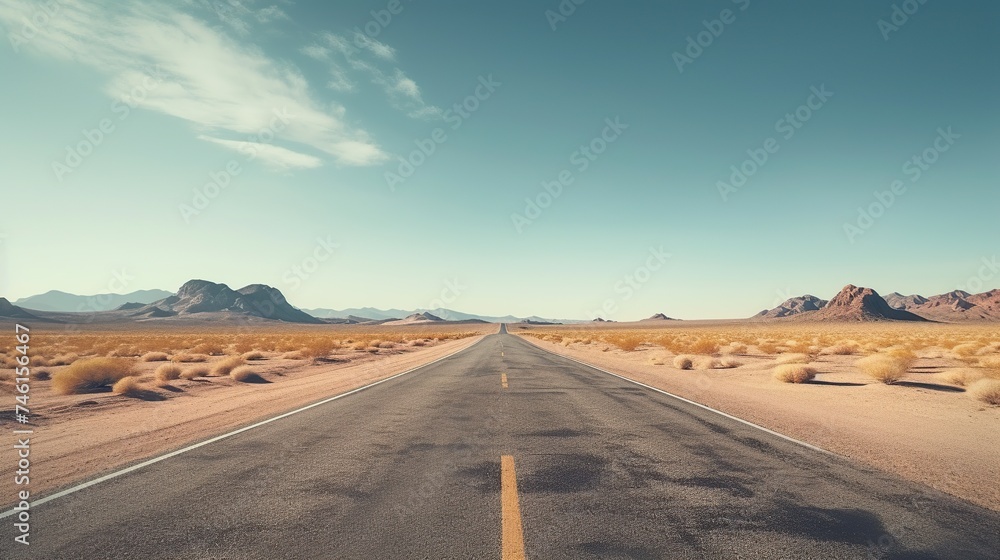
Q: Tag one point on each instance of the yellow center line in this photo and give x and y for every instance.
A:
(503, 380)
(512, 537)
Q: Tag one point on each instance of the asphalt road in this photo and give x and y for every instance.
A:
(593, 467)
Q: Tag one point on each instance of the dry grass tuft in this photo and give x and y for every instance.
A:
(728, 363)
(990, 362)
(705, 362)
(683, 362)
(883, 368)
(64, 359)
(194, 372)
(244, 374)
(154, 357)
(127, 386)
(93, 374)
(962, 376)
(794, 373)
(167, 372)
(841, 349)
(254, 355)
(793, 359)
(189, 358)
(226, 365)
(986, 390)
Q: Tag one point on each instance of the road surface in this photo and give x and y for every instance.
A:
(505, 451)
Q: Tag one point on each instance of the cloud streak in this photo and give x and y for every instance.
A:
(221, 86)
(368, 57)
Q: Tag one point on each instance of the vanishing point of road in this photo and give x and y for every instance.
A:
(506, 451)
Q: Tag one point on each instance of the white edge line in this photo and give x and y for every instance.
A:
(177, 452)
(689, 401)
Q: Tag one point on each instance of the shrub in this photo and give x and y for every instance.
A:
(990, 362)
(210, 348)
(767, 348)
(93, 374)
(883, 368)
(986, 390)
(189, 358)
(705, 362)
(626, 342)
(194, 372)
(683, 362)
(794, 373)
(844, 349)
(168, 372)
(966, 349)
(64, 359)
(704, 346)
(226, 365)
(244, 374)
(793, 359)
(253, 355)
(728, 363)
(296, 355)
(126, 386)
(962, 376)
(154, 357)
(41, 374)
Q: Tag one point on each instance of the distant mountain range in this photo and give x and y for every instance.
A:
(205, 300)
(864, 304)
(202, 299)
(54, 300)
(372, 313)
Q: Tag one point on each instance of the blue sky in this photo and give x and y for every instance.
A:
(650, 216)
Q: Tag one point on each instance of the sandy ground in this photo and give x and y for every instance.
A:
(922, 430)
(79, 436)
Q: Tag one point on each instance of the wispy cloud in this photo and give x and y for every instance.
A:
(241, 15)
(222, 86)
(276, 156)
(369, 57)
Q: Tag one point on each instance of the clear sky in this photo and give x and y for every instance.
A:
(305, 111)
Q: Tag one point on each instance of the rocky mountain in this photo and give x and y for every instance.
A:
(855, 303)
(202, 296)
(660, 317)
(899, 301)
(54, 300)
(794, 306)
(954, 306)
(9, 310)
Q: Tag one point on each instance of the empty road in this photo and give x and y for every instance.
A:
(505, 451)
